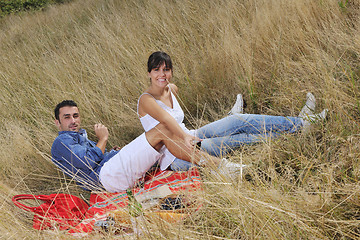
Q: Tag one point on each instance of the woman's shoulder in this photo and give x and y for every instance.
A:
(147, 93)
(143, 102)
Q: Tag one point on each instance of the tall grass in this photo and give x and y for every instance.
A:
(273, 51)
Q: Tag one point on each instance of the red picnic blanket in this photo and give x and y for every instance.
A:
(103, 204)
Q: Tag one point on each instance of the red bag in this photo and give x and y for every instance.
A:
(59, 211)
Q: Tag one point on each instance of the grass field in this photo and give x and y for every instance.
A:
(303, 186)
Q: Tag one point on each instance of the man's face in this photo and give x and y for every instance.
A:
(69, 119)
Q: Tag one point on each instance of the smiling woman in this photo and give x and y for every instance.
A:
(160, 75)
(159, 104)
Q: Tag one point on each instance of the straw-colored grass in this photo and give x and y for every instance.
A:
(303, 186)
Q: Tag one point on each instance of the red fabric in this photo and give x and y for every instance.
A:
(103, 203)
(58, 211)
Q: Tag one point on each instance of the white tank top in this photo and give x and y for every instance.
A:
(148, 123)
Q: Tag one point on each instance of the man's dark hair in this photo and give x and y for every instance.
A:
(65, 103)
(158, 58)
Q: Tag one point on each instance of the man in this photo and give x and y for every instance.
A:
(95, 168)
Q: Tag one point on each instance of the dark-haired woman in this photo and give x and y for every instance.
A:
(158, 104)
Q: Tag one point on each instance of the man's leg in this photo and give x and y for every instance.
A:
(128, 165)
(181, 165)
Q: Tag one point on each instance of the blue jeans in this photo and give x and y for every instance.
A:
(229, 133)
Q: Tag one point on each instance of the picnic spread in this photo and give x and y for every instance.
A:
(164, 196)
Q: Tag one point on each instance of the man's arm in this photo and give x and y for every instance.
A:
(69, 154)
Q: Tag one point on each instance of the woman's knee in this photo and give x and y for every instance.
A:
(162, 131)
(157, 134)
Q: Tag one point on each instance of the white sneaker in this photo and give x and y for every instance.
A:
(309, 119)
(238, 106)
(309, 107)
(230, 169)
(323, 114)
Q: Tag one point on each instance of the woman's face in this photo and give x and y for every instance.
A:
(160, 76)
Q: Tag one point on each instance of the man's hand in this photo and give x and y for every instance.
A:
(102, 134)
(116, 148)
(101, 131)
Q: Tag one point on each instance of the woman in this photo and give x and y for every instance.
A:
(159, 104)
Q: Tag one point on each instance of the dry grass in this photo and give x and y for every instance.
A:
(272, 51)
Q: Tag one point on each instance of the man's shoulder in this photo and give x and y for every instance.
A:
(65, 137)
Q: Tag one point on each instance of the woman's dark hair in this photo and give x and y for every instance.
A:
(158, 58)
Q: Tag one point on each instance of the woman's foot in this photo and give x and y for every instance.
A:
(309, 107)
(231, 170)
(309, 119)
(239, 105)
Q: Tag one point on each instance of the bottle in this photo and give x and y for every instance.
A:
(135, 212)
(135, 208)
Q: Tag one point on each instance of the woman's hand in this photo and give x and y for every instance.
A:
(190, 141)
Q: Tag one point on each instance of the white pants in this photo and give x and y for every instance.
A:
(128, 165)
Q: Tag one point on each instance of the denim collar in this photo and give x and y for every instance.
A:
(81, 132)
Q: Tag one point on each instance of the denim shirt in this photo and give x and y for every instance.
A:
(80, 158)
